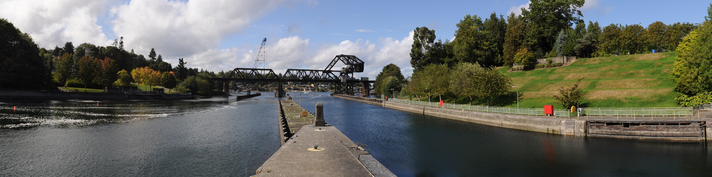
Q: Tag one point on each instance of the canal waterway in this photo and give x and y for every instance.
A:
(223, 137)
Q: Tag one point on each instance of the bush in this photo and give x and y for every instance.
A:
(524, 58)
(75, 82)
(181, 89)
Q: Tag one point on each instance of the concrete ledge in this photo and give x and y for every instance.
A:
(336, 155)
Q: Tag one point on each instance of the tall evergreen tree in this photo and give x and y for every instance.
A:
(514, 38)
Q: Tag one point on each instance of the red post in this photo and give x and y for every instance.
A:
(441, 103)
(549, 110)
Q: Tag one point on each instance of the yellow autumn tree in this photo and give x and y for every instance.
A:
(146, 76)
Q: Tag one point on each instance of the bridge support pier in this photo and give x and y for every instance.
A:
(226, 90)
(280, 90)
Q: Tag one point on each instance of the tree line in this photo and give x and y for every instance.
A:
(24, 65)
(543, 30)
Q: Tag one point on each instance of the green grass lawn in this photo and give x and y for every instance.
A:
(641, 80)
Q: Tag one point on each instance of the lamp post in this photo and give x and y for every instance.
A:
(517, 96)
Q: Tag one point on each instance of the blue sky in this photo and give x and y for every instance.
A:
(216, 35)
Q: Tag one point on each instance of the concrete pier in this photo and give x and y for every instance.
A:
(314, 150)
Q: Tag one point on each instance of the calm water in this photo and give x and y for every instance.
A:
(221, 137)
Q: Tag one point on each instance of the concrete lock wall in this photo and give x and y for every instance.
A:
(550, 125)
(670, 130)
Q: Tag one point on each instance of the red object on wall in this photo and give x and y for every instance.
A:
(441, 103)
(549, 109)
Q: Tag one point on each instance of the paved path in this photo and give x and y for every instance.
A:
(335, 155)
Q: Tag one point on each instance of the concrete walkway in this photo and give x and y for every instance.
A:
(335, 155)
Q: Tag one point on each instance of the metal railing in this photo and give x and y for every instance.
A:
(488, 109)
(640, 112)
(646, 112)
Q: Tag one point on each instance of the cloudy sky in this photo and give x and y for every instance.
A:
(224, 34)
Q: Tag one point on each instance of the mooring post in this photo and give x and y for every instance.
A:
(319, 115)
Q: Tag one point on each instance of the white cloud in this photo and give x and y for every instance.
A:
(518, 9)
(286, 53)
(375, 57)
(594, 6)
(363, 30)
(53, 23)
(180, 29)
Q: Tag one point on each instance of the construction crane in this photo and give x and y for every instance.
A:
(260, 59)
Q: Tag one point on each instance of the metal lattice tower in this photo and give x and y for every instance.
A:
(260, 59)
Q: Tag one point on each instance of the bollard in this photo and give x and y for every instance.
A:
(319, 115)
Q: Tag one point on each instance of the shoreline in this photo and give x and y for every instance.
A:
(58, 95)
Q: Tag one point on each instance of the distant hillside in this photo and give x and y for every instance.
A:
(641, 80)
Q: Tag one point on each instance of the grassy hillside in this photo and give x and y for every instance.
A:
(641, 80)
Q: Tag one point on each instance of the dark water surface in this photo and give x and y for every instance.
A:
(221, 137)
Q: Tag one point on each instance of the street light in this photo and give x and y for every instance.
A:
(517, 96)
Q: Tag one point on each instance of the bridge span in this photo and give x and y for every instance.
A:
(343, 79)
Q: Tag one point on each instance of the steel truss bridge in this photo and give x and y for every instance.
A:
(343, 79)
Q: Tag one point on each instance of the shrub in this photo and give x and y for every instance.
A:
(524, 58)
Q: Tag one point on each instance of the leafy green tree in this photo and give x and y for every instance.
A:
(586, 45)
(634, 38)
(420, 52)
(20, 63)
(692, 70)
(417, 85)
(168, 80)
(595, 30)
(676, 32)
(489, 83)
(546, 18)
(64, 68)
(461, 79)
(656, 35)
(525, 58)
(572, 36)
(514, 38)
(85, 70)
(471, 44)
(437, 77)
(570, 96)
(389, 85)
(387, 71)
(496, 29)
(124, 79)
(57, 52)
(610, 39)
